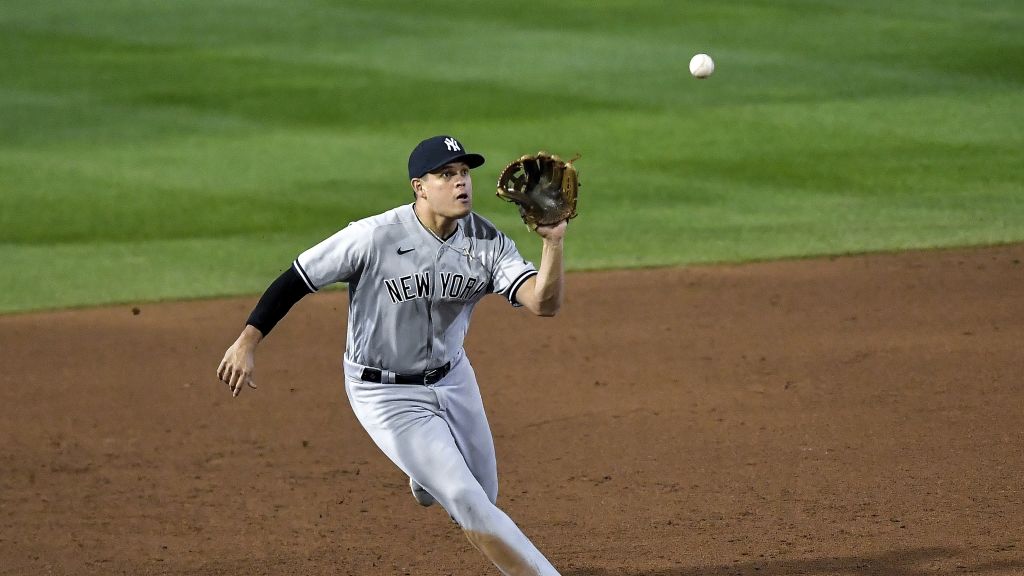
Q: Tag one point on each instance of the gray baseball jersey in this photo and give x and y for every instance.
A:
(411, 293)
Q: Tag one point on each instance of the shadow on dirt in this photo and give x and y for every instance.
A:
(915, 562)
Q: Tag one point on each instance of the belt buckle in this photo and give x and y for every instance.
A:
(436, 374)
(431, 376)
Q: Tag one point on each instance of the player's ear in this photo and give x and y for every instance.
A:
(417, 187)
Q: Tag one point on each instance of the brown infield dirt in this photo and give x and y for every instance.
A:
(856, 416)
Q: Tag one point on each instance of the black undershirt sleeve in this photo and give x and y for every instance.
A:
(279, 298)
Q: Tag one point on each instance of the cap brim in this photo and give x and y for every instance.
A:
(471, 160)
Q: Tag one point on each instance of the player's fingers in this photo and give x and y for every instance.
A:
(239, 385)
(220, 369)
(235, 380)
(244, 379)
(251, 382)
(225, 375)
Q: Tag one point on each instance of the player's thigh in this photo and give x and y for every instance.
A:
(464, 412)
(407, 426)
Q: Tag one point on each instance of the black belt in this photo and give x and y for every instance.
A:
(425, 379)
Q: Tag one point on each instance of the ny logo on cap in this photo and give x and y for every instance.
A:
(452, 144)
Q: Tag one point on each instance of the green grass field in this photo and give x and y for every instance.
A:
(155, 150)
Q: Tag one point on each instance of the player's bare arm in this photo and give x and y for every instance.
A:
(238, 365)
(542, 294)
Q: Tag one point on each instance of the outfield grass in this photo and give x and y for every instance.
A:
(190, 149)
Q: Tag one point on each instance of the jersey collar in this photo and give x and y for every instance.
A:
(451, 237)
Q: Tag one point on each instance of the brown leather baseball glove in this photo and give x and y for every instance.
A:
(543, 185)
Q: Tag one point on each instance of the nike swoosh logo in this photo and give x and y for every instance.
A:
(406, 251)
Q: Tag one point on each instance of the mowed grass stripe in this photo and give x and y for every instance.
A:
(162, 141)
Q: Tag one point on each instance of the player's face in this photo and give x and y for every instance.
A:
(448, 191)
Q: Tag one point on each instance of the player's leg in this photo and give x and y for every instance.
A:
(407, 424)
(463, 410)
(462, 407)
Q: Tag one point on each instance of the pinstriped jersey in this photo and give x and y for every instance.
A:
(411, 293)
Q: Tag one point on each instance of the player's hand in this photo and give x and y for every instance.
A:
(554, 232)
(238, 366)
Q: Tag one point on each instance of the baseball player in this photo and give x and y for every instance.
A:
(415, 274)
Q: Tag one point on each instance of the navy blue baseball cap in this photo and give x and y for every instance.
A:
(432, 153)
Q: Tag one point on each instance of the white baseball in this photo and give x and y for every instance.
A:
(702, 66)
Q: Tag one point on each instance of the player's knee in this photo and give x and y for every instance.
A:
(469, 507)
